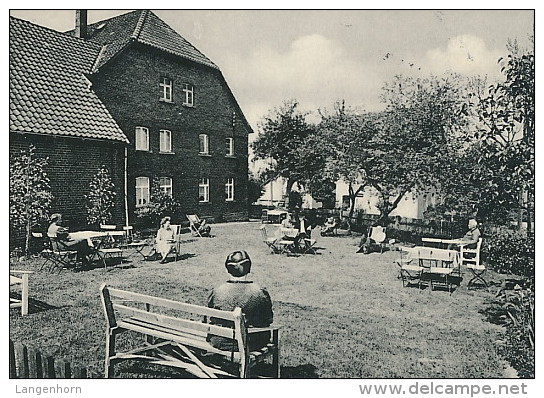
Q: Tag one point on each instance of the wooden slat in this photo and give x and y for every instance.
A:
(168, 321)
(190, 340)
(167, 303)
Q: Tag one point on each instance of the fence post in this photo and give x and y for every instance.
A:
(21, 357)
(12, 365)
(34, 364)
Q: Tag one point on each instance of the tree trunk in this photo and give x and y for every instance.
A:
(288, 187)
(27, 238)
(352, 197)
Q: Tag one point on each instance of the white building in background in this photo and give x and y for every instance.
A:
(411, 205)
(274, 195)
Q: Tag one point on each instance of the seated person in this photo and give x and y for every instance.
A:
(203, 227)
(238, 291)
(367, 243)
(470, 239)
(61, 239)
(330, 226)
(165, 239)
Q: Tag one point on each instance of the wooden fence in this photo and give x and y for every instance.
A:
(28, 363)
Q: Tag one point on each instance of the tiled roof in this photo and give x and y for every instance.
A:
(142, 26)
(49, 93)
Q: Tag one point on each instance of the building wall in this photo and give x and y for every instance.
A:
(411, 205)
(129, 87)
(72, 164)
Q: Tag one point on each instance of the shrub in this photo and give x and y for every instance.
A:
(514, 308)
(160, 205)
(510, 252)
(101, 198)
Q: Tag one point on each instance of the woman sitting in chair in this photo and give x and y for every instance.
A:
(61, 240)
(165, 240)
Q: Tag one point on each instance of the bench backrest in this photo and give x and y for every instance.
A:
(188, 318)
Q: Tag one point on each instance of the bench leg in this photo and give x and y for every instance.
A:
(276, 355)
(24, 295)
(110, 352)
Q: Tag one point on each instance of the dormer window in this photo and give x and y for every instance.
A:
(166, 89)
(188, 94)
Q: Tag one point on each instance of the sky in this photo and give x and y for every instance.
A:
(320, 56)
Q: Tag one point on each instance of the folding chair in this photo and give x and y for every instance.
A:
(195, 225)
(309, 243)
(58, 256)
(19, 279)
(447, 265)
(410, 267)
(129, 242)
(471, 259)
(270, 242)
(264, 216)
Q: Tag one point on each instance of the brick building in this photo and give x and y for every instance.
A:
(53, 108)
(170, 104)
(184, 124)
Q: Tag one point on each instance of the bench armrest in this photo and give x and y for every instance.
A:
(270, 328)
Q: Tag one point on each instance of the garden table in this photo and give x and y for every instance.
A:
(275, 216)
(444, 242)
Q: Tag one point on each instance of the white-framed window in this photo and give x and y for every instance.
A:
(142, 191)
(165, 141)
(229, 146)
(166, 89)
(204, 190)
(229, 189)
(204, 141)
(188, 94)
(142, 139)
(165, 184)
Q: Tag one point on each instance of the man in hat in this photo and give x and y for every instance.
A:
(241, 292)
(61, 239)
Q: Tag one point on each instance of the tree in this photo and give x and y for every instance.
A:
(101, 198)
(505, 135)
(29, 192)
(284, 140)
(161, 204)
(255, 188)
(417, 137)
(345, 138)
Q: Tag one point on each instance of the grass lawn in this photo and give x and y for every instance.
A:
(344, 315)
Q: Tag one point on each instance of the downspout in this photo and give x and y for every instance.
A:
(126, 190)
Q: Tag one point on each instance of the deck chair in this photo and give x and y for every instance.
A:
(175, 249)
(196, 227)
(270, 242)
(309, 242)
(19, 279)
(378, 235)
(471, 259)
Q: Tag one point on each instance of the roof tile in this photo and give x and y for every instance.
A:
(48, 91)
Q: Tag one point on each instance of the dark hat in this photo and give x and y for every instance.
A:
(55, 217)
(238, 263)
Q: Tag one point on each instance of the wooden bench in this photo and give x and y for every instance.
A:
(19, 279)
(176, 335)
